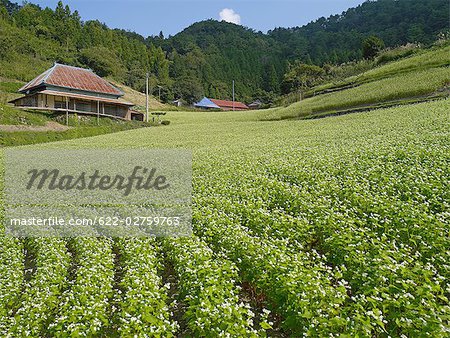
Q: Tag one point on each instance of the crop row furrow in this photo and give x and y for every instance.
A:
(142, 308)
(40, 297)
(83, 310)
(11, 277)
(207, 286)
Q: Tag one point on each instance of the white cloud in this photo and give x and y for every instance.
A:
(229, 15)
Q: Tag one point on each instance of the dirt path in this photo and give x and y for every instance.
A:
(49, 126)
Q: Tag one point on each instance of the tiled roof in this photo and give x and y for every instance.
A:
(74, 78)
(229, 104)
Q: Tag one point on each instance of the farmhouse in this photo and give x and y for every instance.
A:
(207, 103)
(75, 90)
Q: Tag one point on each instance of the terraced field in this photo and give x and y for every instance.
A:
(327, 227)
(416, 78)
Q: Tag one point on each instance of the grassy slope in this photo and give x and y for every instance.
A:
(423, 74)
(12, 116)
(79, 129)
(404, 86)
(138, 98)
(434, 58)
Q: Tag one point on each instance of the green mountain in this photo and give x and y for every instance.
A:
(338, 38)
(205, 57)
(216, 53)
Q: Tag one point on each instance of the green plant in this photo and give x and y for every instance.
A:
(372, 46)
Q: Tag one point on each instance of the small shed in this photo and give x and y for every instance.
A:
(178, 103)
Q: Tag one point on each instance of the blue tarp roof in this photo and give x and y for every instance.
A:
(206, 103)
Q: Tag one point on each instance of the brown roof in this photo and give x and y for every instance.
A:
(74, 78)
(83, 97)
(229, 104)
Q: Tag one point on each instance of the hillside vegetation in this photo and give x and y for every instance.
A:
(422, 76)
(139, 99)
(207, 56)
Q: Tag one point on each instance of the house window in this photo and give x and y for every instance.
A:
(30, 101)
(84, 106)
(110, 110)
(60, 102)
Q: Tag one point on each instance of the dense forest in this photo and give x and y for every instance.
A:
(205, 57)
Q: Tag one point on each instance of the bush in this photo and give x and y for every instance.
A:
(372, 46)
(397, 53)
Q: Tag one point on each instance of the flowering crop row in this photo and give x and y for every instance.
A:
(40, 298)
(84, 309)
(11, 277)
(142, 308)
(341, 224)
(208, 288)
(301, 286)
(376, 213)
(395, 274)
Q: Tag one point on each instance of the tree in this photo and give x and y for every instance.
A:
(372, 46)
(302, 76)
(416, 33)
(102, 61)
(272, 81)
(189, 89)
(3, 12)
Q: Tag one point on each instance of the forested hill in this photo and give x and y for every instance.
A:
(216, 53)
(338, 38)
(207, 56)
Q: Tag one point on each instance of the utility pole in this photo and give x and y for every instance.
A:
(233, 95)
(146, 98)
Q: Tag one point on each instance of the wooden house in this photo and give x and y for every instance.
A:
(75, 90)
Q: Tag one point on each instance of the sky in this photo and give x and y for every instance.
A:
(149, 17)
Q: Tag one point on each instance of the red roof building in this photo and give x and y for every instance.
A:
(75, 90)
(230, 105)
